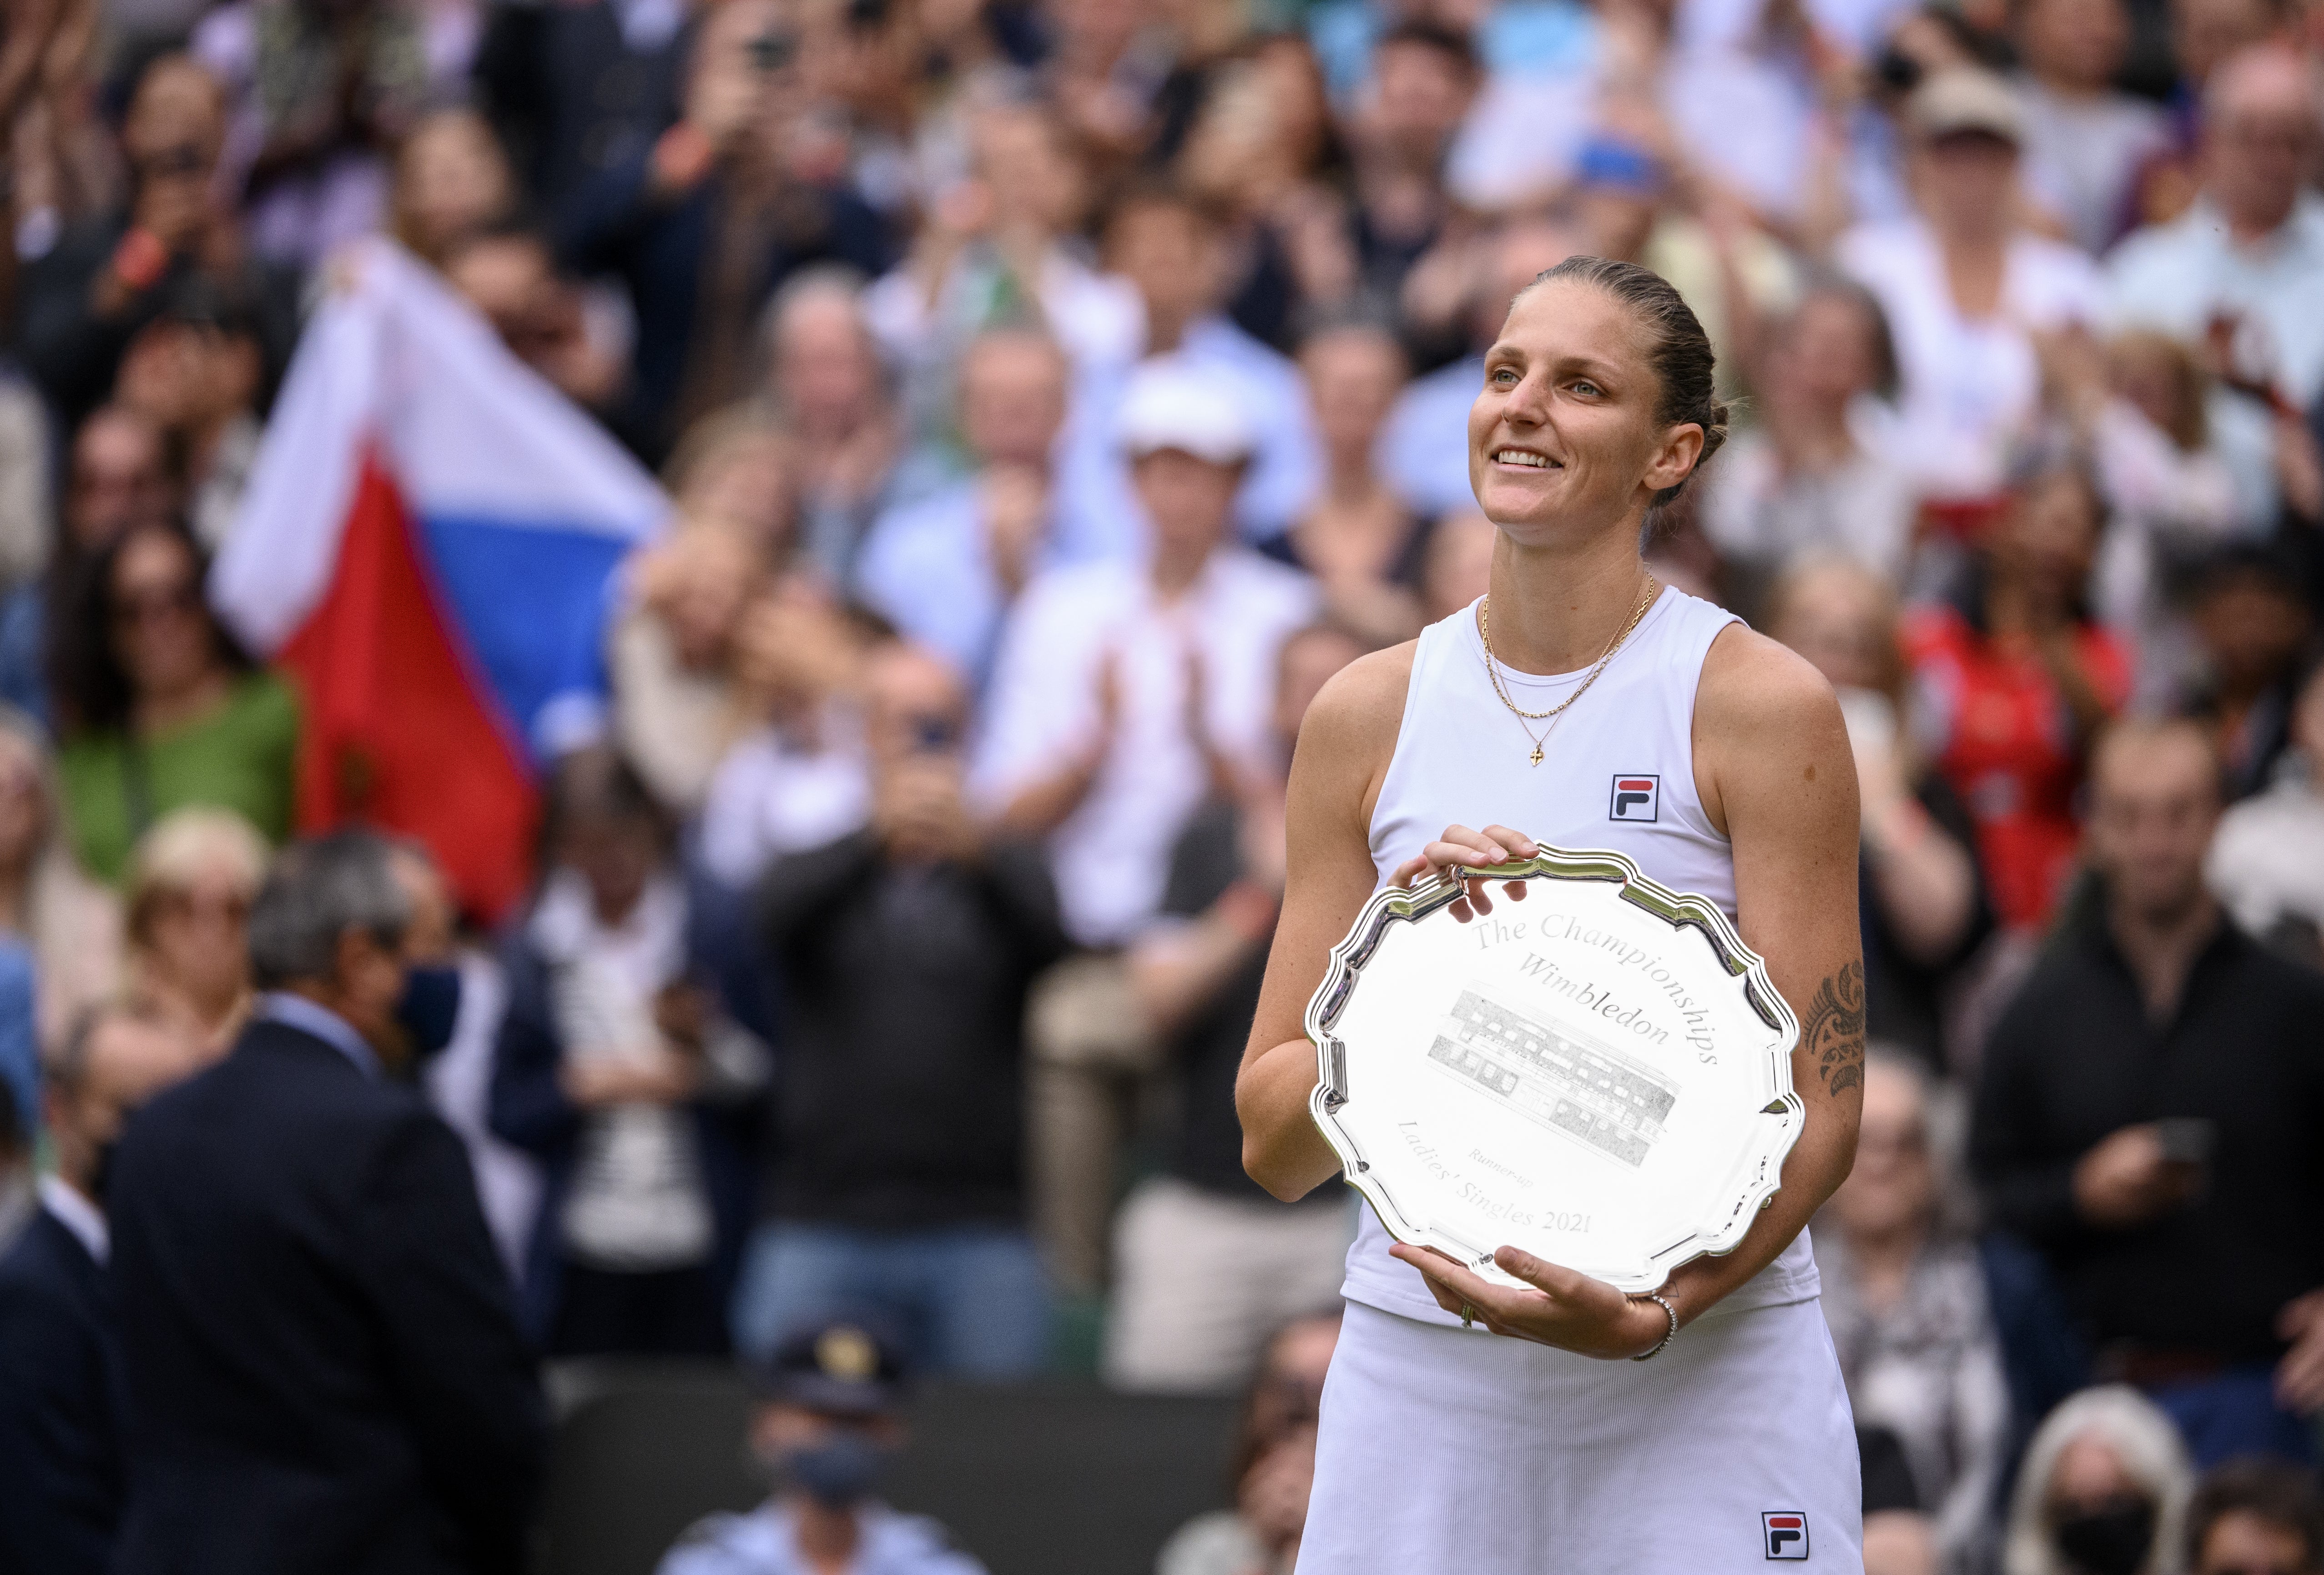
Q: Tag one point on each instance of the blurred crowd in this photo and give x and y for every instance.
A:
(1051, 396)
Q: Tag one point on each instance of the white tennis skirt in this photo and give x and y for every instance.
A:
(1452, 1449)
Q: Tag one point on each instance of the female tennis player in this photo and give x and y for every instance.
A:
(1574, 1428)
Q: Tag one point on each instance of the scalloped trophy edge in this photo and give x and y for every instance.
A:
(1681, 911)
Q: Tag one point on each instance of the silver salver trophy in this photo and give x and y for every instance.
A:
(1600, 1074)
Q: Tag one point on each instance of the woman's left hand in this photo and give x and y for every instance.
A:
(1566, 1308)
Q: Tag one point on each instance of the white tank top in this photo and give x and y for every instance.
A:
(1618, 772)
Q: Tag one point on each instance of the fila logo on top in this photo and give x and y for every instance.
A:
(1786, 1532)
(1638, 796)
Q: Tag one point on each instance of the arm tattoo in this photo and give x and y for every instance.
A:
(1833, 1031)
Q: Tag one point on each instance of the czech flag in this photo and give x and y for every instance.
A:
(426, 548)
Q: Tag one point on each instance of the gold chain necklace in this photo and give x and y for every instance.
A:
(1493, 668)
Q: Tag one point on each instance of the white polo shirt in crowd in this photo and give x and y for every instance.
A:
(1970, 385)
(2176, 277)
(1111, 856)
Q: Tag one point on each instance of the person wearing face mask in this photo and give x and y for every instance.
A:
(61, 1397)
(829, 1421)
(2103, 1491)
(324, 1366)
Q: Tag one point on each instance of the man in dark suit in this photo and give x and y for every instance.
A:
(325, 1373)
(60, 1390)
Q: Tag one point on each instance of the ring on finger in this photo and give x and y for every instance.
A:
(1468, 1314)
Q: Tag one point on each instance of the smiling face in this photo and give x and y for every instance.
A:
(1565, 437)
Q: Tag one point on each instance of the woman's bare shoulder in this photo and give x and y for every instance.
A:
(1349, 736)
(1767, 728)
(1358, 713)
(1751, 683)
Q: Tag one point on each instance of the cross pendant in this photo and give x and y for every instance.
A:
(1536, 754)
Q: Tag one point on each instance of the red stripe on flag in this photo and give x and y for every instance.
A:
(398, 735)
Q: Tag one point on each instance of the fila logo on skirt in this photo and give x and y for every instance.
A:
(1638, 796)
(1785, 1532)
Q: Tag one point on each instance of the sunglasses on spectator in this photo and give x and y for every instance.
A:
(234, 909)
(184, 159)
(771, 51)
(136, 607)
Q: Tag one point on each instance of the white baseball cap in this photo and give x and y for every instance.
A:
(1173, 404)
(1967, 98)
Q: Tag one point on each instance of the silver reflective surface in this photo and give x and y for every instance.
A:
(1600, 1074)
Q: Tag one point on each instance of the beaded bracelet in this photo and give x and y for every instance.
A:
(1656, 1299)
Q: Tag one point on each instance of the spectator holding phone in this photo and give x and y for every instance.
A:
(85, 300)
(906, 950)
(705, 225)
(2147, 1115)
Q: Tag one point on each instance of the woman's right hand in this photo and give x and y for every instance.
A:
(1496, 844)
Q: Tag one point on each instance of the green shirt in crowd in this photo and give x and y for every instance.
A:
(241, 756)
